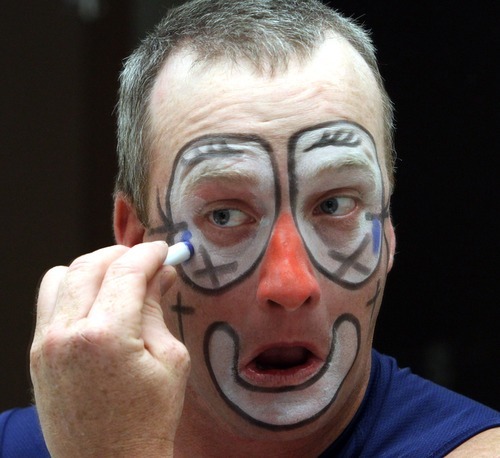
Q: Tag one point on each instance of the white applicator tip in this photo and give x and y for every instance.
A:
(180, 252)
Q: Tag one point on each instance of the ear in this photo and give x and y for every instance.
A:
(391, 240)
(129, 230)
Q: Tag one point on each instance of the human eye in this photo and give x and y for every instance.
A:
(336, 206)
(227, 224)
(229, 217)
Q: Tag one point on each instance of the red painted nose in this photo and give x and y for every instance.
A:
(286, 276)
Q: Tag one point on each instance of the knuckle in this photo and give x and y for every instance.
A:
(120, 271)
(175, 357)
(83, 263)
(98, 260)
(71, 292)
(185, 364)
(47, 349)
(97, 336)
(179, 355)
(53, 342)
(80, 271)
(35, 358)
(59, 344)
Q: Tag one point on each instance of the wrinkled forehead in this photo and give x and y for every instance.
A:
(214, 155)
(190, 101)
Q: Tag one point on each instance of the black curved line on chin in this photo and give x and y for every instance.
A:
(225, 327)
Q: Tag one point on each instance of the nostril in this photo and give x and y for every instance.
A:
(288, 299)
(284, 302)
(273, 304)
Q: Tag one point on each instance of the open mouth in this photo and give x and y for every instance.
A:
(281, 359)
(281, 365)
(282, 386)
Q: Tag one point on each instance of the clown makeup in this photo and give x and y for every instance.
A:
(283, 407)
(224, 190)
(337, 199)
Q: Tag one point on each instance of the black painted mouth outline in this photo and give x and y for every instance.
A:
(225, 327)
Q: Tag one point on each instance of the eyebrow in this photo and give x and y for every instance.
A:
(220, 145)
(340, 137)
(213, 152)
(230, 176)
(345, 162)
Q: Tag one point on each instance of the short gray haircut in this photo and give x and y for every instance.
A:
(265, 33)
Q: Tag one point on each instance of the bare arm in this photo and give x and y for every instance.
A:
(484, 445)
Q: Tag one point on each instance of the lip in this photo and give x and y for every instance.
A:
(281, 406)
(281, 364)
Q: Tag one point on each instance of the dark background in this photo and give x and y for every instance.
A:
(58, 80)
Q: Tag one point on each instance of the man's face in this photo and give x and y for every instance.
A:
(281, 186)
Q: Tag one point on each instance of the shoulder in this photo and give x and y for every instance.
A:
(485, 444)
(417, 414)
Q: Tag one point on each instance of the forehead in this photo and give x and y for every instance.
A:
(190, 101)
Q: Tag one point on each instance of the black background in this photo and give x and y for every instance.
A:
(440, 315)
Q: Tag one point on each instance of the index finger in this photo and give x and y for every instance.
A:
(81, 283)
(121, 298)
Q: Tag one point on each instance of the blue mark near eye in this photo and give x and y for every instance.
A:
(186, 236)
(376, 234)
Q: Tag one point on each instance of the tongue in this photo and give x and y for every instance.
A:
(282, 358)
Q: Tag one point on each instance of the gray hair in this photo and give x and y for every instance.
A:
(266, 33)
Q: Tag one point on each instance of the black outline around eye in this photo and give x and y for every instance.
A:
(293, 185)
(223, 139)
(345, 138)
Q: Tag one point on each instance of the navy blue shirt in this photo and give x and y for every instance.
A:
(402, 415)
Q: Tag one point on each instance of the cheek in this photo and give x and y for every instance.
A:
(337, 300)
(363, 302)
(188, 313)
(185, 314)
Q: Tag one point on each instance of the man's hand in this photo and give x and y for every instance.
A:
(109, 378)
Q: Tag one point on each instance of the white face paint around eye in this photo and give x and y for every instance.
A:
(337, 196)
(224, 192)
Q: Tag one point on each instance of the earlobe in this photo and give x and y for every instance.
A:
(128, 229)
(391, 240)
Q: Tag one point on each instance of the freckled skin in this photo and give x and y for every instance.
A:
(98, 358)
